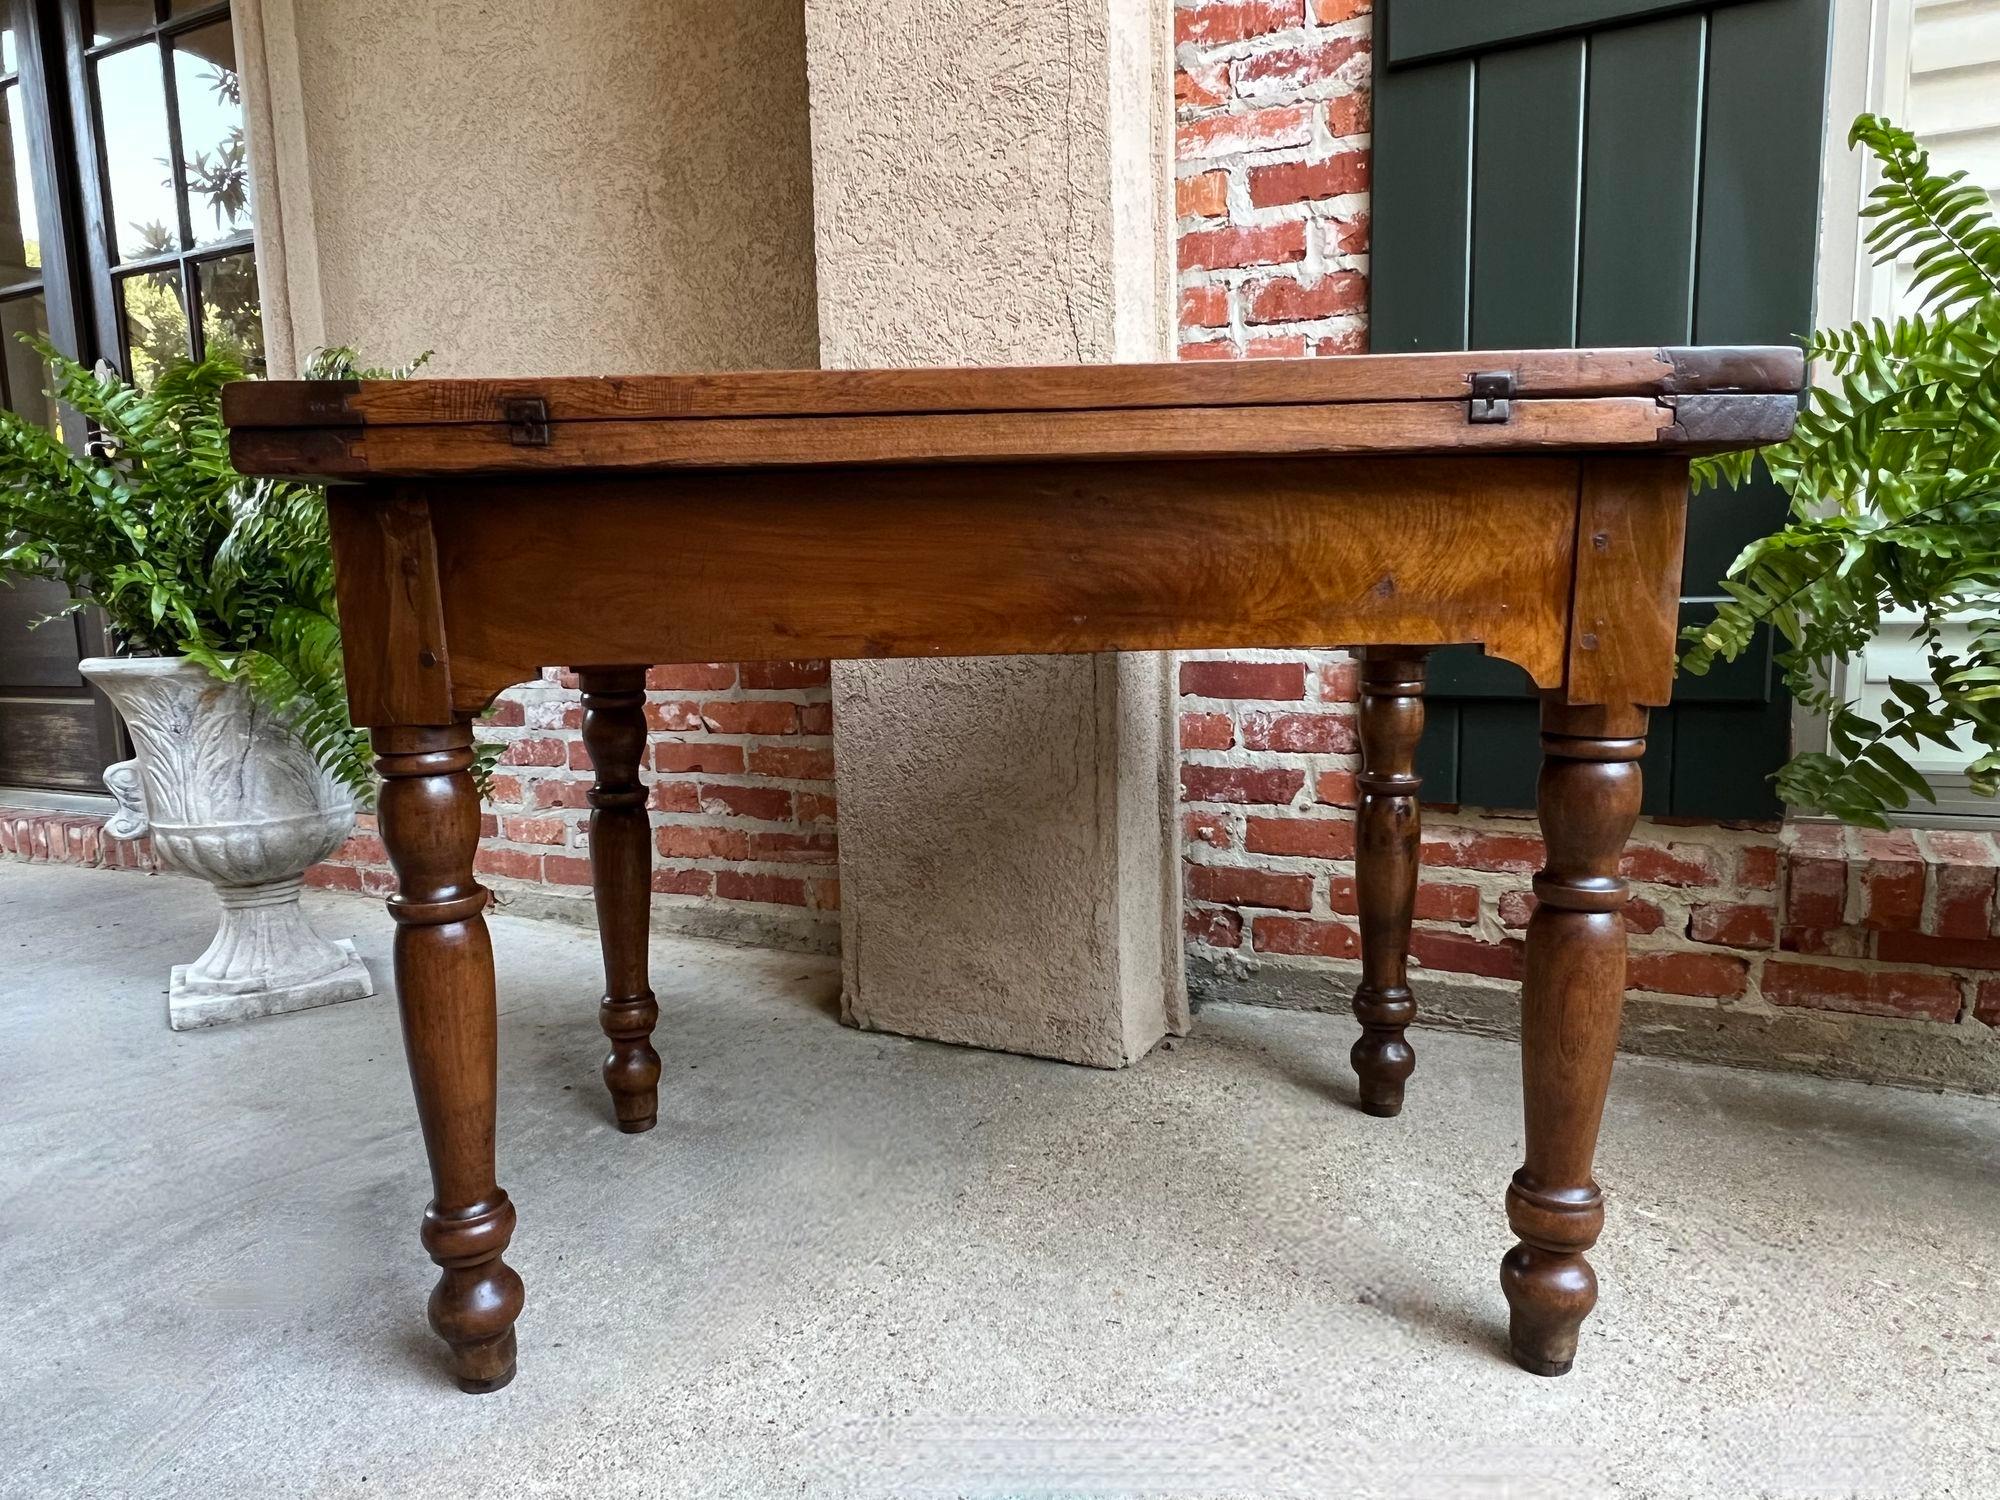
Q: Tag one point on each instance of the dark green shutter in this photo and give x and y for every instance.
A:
(1603, 172)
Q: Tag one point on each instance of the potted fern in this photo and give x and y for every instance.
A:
(1894, 479)
(219, 592)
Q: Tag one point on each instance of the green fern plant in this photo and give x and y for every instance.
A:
(1894, 479)
(184, 555)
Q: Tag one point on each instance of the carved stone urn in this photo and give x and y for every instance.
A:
(231, 795)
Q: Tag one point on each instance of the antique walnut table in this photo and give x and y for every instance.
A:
(1530, 502)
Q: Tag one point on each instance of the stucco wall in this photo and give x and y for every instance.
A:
(595, 186)
(990, 188)
(989, 207)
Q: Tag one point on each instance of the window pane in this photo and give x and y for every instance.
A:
(178, 8)
(132, 103)
(27, 374)
(210, 96)
(111, 19)
(10, 61)
(20, 239)
(156, 322)
(232, 320)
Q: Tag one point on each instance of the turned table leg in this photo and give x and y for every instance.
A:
(614, 731)
(1571, 994)
(1385, 870)
(444, 988)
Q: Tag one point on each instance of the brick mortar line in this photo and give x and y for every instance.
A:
(1193, 56)
(508, 885)
(706, 862)
(1755, 961)
(1505, 822)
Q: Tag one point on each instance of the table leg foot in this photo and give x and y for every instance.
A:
(637, 1124)
(488, 1387)
(482, 1365)
(478, 1296)
(481, 1369)
(1548, 1297)
(1382, 1056)
(1382, 1064)
(632, 1068)
(1387, 846)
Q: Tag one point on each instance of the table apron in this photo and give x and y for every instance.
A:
(454, 589)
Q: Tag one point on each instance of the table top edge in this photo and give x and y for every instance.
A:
(1577, 374)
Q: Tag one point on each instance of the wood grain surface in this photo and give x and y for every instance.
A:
(790, 393)
(339, 454)
(999, 561)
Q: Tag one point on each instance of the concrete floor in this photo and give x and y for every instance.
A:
(852, 1265)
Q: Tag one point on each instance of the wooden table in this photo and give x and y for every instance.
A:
(1530, 502)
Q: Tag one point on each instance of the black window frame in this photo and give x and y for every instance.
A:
(43, 88)
(105, 269)
(42, 83)
(67, 161)
(81, 267)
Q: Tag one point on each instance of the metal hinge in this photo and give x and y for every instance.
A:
(527, 421)
(1491, 391)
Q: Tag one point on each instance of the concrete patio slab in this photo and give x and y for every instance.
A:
(852, 1265)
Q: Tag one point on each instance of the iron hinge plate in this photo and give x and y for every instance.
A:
(1492, 391)
(527, 421)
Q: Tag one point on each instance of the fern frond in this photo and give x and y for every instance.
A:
(183, 554)
(1946, 220)
(1893, 472)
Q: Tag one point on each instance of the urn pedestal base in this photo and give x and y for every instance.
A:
(264, 959)
(230, 794)
(191, 1005)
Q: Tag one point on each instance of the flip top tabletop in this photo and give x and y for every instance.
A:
(1699, 399)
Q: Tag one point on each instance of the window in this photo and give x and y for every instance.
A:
(164, 109)
(126, 235)
(126, 229)
(23, 300)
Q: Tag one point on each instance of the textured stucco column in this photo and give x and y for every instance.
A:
(990, 187)
(594, 187)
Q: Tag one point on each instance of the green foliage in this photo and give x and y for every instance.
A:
(184, 555)
(1894, 479)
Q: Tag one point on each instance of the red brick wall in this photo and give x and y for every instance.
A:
(1272, 177)
(1898, 925)
(35, 836)
(741, 775)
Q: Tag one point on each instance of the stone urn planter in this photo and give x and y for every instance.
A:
(231, 795)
